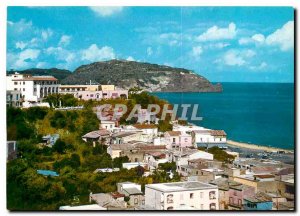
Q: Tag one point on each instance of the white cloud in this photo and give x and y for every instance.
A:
(46, 34)
(41, 65)
(130, 58)
(149, 51)
(232, 58)
(260, 38)
(197, 51)
(21, 45)
(64, 40)
(106, 11)
(245, 40)
(283, 37)
(237, 57)
(219, 45)
(216, 33)
(172, 39)
(93, 53)
(24, 59)
(19, 27)
(261, 66)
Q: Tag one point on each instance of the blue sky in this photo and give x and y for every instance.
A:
(224, 44)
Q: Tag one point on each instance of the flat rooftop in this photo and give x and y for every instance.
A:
(181, 186)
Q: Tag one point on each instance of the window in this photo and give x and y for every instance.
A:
(23, 83)
(170, 208)
(15, 89)
(34, 89)
(174, 139)
(230, 200)
(202, 206)
(136, 201)
(170, 198)
(23, 89)
(15, 83)
(212, 195)
(191, 195)
(201, 194)
(135, 160)
(181, 196)
(212, 206)
(239, 202)
(234, 193)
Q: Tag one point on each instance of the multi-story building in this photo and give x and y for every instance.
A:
(181, 196)
(133, 191)
(13, 98)
(32, 88)
(210, 138)
(178, 139)
(93, 92)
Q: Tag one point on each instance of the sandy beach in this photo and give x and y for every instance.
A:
(256, 147)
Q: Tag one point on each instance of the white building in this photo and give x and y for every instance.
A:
(182, 195)
(109, 125)
(210, 138)
(182, 157)
(32, 88)
(134, 165)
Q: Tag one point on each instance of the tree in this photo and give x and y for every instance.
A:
(59, 146)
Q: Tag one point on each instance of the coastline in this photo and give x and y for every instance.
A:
(256, 147)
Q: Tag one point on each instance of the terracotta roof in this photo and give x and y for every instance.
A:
(267, 169)
(174, 133)
(97, 134)
(217, 132)
(259, 197)
(264, 176)
(117, 195)
(145, 126)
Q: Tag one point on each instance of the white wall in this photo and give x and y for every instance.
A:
(199, 201)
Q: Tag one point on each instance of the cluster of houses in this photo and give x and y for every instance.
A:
(25, 90)
(206, 184)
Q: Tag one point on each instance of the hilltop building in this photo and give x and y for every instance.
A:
(30, 88)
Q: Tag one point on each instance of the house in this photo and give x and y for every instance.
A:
(11, 150)
(125, 137)
(209, 138)
(134, 165)
(91, 207)
(286, 186)
(14, 98)
(109, 125)
(145, 116)
(223, 186)
(260, 201)
(50, 140)
(155, 158)
(133, 191)
(183, 156)
(261, 183)
(178, 139)
(110, 201)
(107, 170)
(93, 92)
(182, 195)
(100, 136)
(134, 150)
(237, 193)
(148, 129)
(32, 88)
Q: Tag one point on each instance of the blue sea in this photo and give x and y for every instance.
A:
(258, 113)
